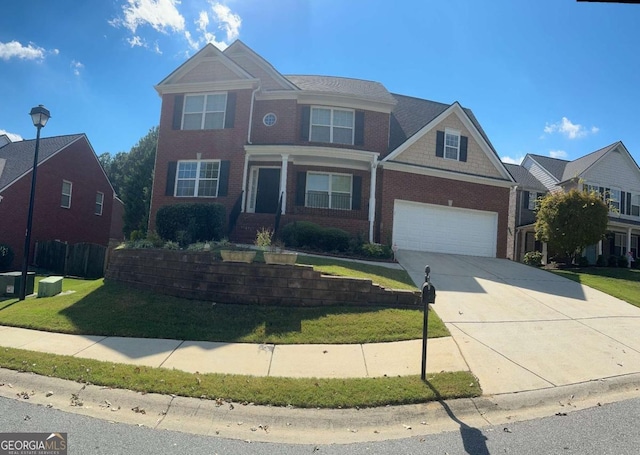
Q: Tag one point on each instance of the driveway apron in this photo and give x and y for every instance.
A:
(520, 328)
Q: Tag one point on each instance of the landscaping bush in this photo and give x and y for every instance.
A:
(300, 234)
(583, 261)
(191, 222)
(376, 250)
(6, 257)
(533, 258)
(623, 261)
(334, 239)
(612, 261)
(600, 262)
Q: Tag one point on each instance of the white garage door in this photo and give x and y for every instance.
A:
(441, 229)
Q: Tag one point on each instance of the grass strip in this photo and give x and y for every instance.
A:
(302, 393)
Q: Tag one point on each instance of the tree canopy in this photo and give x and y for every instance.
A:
(569, 222)
(131, 175)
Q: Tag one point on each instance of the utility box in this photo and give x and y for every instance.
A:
(10, 283)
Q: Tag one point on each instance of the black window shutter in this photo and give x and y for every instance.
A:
(358, 137)
(171, 178)
(356, 193)
(178, 101)
(525, 199)
(623, 203)
(628, 203)
(464, 140)
(223, 182)
(301, 187)
(230, 114)
(305, 123)
(440, 144)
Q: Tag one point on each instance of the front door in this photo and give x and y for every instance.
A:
(268, 190)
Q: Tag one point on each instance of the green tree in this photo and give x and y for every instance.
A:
(131, 175)
(569, 222)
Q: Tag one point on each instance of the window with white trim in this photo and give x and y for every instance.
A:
(451, 144)
(65, 200)
(334, 126)
(635, 205)
(197, 178)
(99, 203)
(204, 111)
(330, 191)
(614, 200)
(533, 200)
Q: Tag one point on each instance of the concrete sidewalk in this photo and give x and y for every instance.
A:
(296, 361)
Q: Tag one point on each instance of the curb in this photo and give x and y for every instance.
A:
(309, 426)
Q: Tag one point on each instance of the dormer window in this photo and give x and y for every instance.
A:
(335, 126)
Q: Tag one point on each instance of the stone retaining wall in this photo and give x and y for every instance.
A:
(200, 276)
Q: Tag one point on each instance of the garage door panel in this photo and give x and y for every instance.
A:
(428, 227)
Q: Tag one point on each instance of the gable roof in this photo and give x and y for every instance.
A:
(359, 88)
(253, 64)
(577, 167)
(19, 155)
(524, 178)
(554, 166)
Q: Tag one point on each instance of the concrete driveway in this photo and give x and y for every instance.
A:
(520, 328)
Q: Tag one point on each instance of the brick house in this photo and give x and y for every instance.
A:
(610, 171)
(339, 152)
(73, 199)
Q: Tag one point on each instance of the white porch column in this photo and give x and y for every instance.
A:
(283, 182)
(372, 197)
(628, 246)
(244, 182)
(599, 247)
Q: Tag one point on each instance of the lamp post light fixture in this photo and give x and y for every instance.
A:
(39, 115)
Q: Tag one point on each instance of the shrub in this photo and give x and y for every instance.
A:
(376, 250)
(6, 257)
(583, 261)
(623, 261)
(600, 262)
(263, 238)
(154, 238)
(533, 258)
(612, 261)
(136, 235)
(300, 234)
(333, 239)
(169, 245)
(192, 222)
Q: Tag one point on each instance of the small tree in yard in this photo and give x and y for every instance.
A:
(569, 222)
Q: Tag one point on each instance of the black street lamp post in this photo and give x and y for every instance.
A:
(40, 115)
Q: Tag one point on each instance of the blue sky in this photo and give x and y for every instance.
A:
(552, 77)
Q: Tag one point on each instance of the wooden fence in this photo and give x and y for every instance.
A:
(84, 260)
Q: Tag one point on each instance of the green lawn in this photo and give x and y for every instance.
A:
(304, 393)
(113, 309)
(617, 282)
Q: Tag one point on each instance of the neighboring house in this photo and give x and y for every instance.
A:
(335, 151)
(610, 171)
(528, 192)
(73, 199)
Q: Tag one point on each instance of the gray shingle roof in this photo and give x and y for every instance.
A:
(576, 167)
(369, 90)
(411, 114)
(524, 178)
(19, 155)
(555, 166)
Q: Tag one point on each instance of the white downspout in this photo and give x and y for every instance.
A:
(283, 182)
(246, 157)
(253, 98)
(372, 196)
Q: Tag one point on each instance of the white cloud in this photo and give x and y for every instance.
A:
(15, 49)
(162, 15)
(14, 137)
(569, 129)
(509, 160)
(561, 154)
(76, 67)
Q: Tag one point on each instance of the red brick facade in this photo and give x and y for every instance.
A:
(77, 164)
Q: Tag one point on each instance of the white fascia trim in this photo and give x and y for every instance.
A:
(468, 124)
(218, 86)
(261, 62)
(441, 173)
(325, 99)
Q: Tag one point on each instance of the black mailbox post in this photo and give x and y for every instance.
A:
(428, 296)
